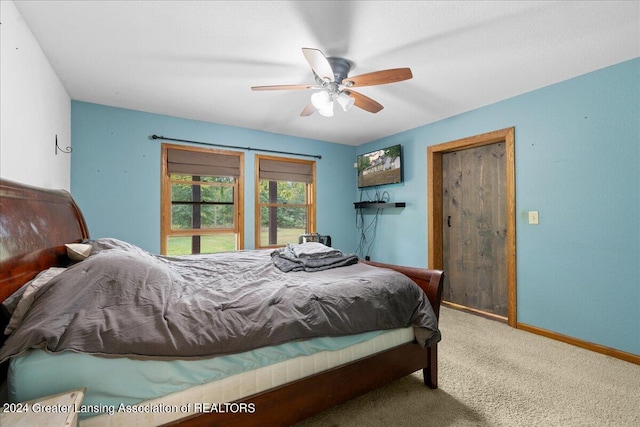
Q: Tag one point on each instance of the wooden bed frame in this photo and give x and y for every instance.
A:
(36, 223)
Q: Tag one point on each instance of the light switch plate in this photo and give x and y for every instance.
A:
(534, 218)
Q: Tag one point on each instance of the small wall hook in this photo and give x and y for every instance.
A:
(64, 150)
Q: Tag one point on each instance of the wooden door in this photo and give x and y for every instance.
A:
(474, 228)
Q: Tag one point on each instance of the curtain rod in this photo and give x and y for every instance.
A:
(317, 156)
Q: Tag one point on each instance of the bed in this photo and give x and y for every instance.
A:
(37, 223)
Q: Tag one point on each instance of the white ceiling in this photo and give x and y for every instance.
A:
(198, 59)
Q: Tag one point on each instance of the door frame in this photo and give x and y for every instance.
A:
(435, 208)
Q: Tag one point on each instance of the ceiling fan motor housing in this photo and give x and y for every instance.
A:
(340, 67)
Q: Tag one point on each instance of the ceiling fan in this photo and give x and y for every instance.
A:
(334, 85)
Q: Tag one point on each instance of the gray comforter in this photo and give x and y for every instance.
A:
(123, 301)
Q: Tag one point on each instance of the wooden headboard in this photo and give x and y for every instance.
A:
(35, 224)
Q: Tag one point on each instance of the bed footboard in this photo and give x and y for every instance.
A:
(431, 282)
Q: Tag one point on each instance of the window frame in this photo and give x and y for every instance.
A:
(166, 199)
(310, 196)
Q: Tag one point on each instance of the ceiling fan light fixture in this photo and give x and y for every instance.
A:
(323, 102)
(345, 101)
(327, 110)
(321, 99)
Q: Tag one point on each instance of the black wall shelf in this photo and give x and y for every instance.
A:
(378, 205)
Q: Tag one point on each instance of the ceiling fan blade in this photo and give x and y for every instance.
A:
(308, 110)
(364, 102)
(319, 63)
(379, 77)
(283, 87)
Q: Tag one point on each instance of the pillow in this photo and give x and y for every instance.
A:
(78, 251)
(108, 243)
(28, 295)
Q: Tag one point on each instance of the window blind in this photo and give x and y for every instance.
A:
(275, 170)
(201, 163)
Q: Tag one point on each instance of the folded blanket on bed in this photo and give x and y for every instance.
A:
(310, 257)
(313, 250)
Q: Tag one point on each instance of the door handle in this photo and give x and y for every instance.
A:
(449, 221)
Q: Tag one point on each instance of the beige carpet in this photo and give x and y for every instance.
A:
(494, 375)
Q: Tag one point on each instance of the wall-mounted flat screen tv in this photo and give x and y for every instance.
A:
(380, 167)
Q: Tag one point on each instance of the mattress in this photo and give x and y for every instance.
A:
(128, 395)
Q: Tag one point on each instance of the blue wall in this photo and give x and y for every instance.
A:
(577, 161)
(115, 172)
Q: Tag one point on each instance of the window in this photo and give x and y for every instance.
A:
(285, 200)
(201, 200)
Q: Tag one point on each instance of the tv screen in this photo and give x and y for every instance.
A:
(380, 167)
